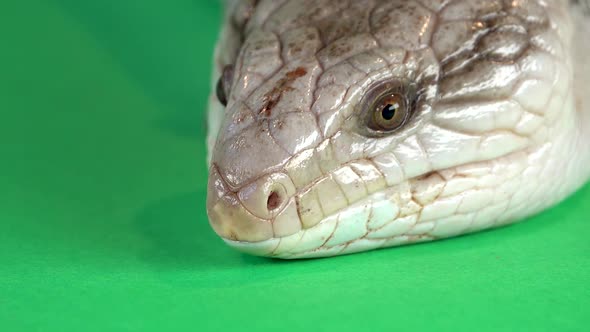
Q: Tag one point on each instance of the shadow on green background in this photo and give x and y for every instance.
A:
(103, 225)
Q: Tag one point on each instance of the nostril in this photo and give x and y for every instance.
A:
(268, 196)
(273, 201)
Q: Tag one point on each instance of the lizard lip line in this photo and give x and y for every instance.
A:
(380, 195)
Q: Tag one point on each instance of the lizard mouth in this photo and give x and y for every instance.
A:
(442, 203)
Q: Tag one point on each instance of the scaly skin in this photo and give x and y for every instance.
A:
(499, 130)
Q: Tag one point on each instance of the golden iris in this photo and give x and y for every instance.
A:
(389, 112)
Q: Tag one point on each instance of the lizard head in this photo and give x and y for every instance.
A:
(353, 125)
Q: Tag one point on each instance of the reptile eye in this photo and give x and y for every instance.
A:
(386, 107)
(224, 84)
(389, 112)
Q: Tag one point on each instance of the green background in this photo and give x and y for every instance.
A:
(102, 209)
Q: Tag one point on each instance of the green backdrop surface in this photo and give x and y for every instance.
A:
(102, 204)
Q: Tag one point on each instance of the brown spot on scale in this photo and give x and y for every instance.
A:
(269, 104)
(272, 98)
(426, 176)
(295, 74)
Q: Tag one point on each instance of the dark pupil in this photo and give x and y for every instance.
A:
(388, 112)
